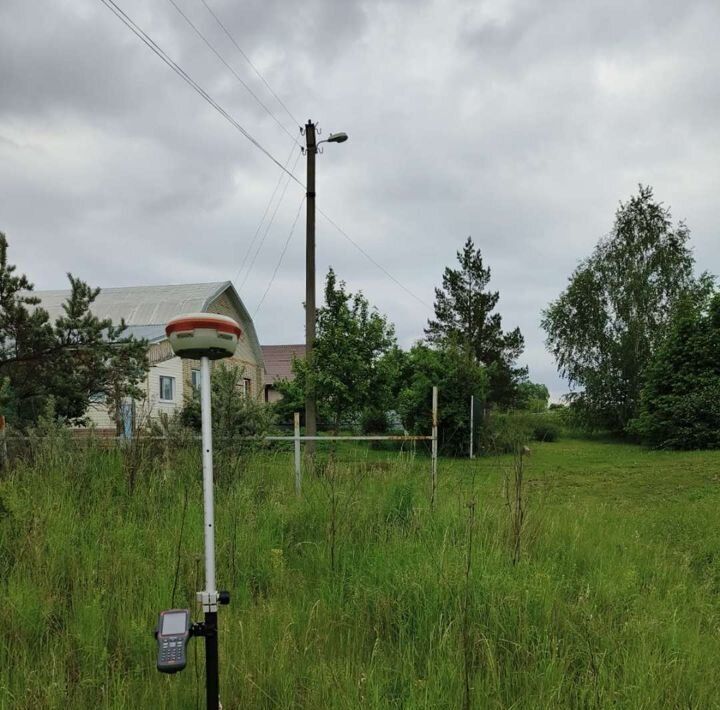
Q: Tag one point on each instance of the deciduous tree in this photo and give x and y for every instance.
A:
(457, 377)
(349, 371)
(605, 326)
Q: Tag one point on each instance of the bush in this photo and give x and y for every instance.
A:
(456, 377)
(506, 431)
(545, 428)
(239, 422)
(374, 421)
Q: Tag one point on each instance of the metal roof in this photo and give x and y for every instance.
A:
(278, 360)
(141, 305)
(144, 306)
(151, 333)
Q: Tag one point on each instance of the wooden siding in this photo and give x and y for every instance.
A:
(153, 405)
(244, 355)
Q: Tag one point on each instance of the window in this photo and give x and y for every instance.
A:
(247, 387)
(195, 379)
(167, 388)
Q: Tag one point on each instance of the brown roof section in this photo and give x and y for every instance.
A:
(278, 360)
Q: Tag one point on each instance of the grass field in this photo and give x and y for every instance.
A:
(615, 601)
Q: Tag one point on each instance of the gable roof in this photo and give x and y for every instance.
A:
(145, 306)
(278, 360)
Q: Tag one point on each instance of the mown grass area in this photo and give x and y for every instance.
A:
(614, 602)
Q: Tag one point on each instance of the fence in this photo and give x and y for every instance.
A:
(297, 439)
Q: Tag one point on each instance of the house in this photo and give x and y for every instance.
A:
(278, 366)
(146, 310)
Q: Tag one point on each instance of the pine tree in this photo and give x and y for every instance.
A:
(74, 359)
(465, 318)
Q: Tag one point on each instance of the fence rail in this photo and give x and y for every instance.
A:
(297, 439)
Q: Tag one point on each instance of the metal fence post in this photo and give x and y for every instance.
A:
(298, 471)
(3, 445)
(434, 449)
(472, 424)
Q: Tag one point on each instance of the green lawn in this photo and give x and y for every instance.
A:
(614, 602)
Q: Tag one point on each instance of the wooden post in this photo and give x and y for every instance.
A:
(298, 471)
(434, 449)
(472, 425)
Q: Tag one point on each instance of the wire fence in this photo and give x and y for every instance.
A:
(14, 445)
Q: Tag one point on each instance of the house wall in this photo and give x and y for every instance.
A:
(244, 356)
(272, 395)
(163, 362)
(153, 405)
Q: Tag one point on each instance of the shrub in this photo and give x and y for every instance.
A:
(545, 428)
(239, 422)
(374, 421)
(506, 431)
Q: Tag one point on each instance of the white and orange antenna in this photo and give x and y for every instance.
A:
(198, 335)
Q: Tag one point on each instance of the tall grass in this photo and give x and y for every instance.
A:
(614, 601)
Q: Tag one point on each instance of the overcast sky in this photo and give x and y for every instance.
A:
(521, 123)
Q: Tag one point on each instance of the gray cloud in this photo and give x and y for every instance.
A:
(520, 123)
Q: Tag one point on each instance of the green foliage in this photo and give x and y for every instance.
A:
(374, 421)
(293, 396)
(355, 360)
(457, 378)
(546, 427)
(238, 421)
(464, 319)
(71, 361)
(533, 396)
(612, 604)
(680, 403)
(506, 432)
(608, 322)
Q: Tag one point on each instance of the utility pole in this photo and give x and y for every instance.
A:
(310, 408)
(311, 149)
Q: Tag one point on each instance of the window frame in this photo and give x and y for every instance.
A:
(172, 388)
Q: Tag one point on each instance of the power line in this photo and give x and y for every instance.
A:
(267, 229)
(247, 59)
(282, 255)
(147, 40)
(152, 45)
(371, 260)
(262, 219)
(234, 73)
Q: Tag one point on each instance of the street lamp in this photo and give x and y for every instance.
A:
(311, 149)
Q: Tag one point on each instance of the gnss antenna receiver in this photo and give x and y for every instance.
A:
(204, 337)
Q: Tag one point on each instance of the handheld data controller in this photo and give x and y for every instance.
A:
(173, 632)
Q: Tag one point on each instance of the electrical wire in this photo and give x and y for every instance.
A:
(210, 46)
(262, 219)
(282, 256)
(267, 229)
(151, 44)
(247, 59)
(371, 260)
